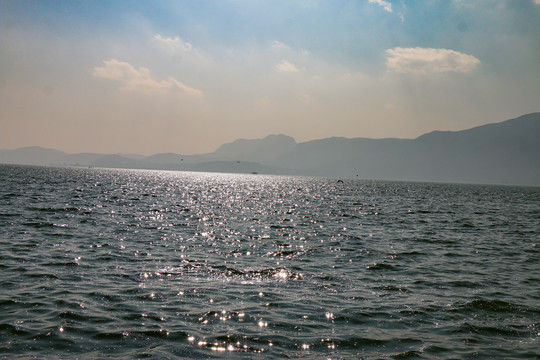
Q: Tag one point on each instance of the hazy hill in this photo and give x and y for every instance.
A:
(78, 159)
(267, 149)
(503, 153)
(31, 155)
(506, 153)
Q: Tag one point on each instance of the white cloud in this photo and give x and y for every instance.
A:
(172, 43)
(133, 79)
(279, 45)
(385, 4)
(423, 61)
(285, 66)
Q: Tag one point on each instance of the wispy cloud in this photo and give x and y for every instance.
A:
(175, 43)
(385, 4)
(279, 45)
(133, 79)
(285, 66)
(423, 61)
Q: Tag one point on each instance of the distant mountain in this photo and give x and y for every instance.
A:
(118, 161)
(166, 158)
(267, 149)
(31, 155)
(78, 159)
(500, 153)
(342, 157)
(506, 152)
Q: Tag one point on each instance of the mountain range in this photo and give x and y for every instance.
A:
(499, 153)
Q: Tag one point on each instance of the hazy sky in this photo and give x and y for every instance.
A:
(186, 76)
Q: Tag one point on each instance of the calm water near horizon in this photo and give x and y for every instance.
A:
(105, 263)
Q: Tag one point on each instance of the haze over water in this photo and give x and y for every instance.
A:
(103, 263)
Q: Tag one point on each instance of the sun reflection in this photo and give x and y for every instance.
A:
(331, 344)
(329, 315)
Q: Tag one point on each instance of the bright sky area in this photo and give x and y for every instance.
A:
(187, 76)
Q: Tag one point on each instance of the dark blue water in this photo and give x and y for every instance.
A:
(100, 263)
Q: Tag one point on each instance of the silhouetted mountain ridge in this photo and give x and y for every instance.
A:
(504, 153)
(265, 149)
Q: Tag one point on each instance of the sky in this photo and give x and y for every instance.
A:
(185, 77)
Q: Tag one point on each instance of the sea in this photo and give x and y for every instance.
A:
(140, 264)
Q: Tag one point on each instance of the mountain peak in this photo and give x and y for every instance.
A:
(268, 148)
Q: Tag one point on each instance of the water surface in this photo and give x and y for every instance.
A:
(101, 263)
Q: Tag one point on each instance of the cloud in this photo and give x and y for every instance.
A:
(285, 66)
(423, 61)
(385, 4)
(280, 45)
(172, 43)
(133, 79)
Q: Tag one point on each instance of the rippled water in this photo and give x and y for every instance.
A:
(100, 263)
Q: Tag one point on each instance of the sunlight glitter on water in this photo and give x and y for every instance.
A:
(283, 267)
